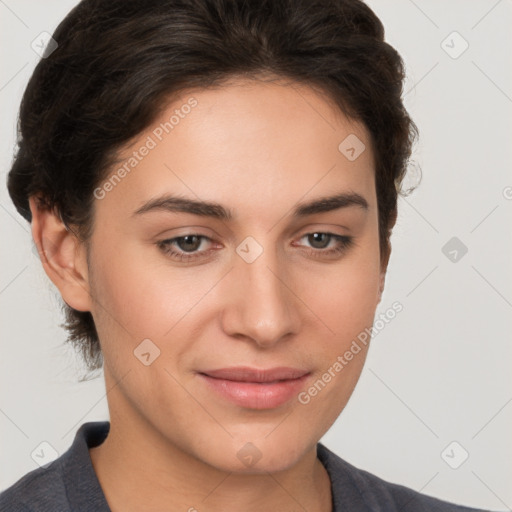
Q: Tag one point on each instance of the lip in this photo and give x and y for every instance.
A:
(255, 388)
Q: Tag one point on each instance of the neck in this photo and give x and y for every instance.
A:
(139, 470)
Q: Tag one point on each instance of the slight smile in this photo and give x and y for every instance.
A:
(255, 388)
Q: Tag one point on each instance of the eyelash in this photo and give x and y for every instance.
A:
(344, 242)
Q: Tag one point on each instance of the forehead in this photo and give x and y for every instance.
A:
(247, 144)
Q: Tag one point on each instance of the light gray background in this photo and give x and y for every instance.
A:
(439, 372)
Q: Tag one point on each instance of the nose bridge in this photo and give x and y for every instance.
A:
(263, 307)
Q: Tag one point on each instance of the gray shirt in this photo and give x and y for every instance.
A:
(70, 484)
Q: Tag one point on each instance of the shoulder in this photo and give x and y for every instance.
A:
(365, 491)
(43, 486)
(67, 483)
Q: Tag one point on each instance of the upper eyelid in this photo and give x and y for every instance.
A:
(210, 239)
(321, 227)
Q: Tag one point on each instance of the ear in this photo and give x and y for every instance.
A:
(385, 256)
(62, 254)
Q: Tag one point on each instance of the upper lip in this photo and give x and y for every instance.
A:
(248, 374)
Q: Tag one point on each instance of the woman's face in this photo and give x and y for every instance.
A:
(260, 289)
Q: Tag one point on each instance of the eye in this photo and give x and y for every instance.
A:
(321, 241)
(186, 244)
(186, 247)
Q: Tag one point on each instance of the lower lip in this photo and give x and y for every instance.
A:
(255, 395)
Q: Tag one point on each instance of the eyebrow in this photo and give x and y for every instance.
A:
(171, 203)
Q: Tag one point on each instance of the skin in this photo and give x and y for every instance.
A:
(258, 149)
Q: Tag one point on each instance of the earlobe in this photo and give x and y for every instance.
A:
(62, 255)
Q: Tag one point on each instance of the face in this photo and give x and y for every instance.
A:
(258, 281)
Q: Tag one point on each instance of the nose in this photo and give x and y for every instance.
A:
(263, 307)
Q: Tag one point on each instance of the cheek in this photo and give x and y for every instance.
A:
(345, 295)
(345, 305)
(144, 300)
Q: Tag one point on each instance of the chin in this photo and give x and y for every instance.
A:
(261, 456)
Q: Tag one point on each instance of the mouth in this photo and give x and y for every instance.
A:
(255, 388)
